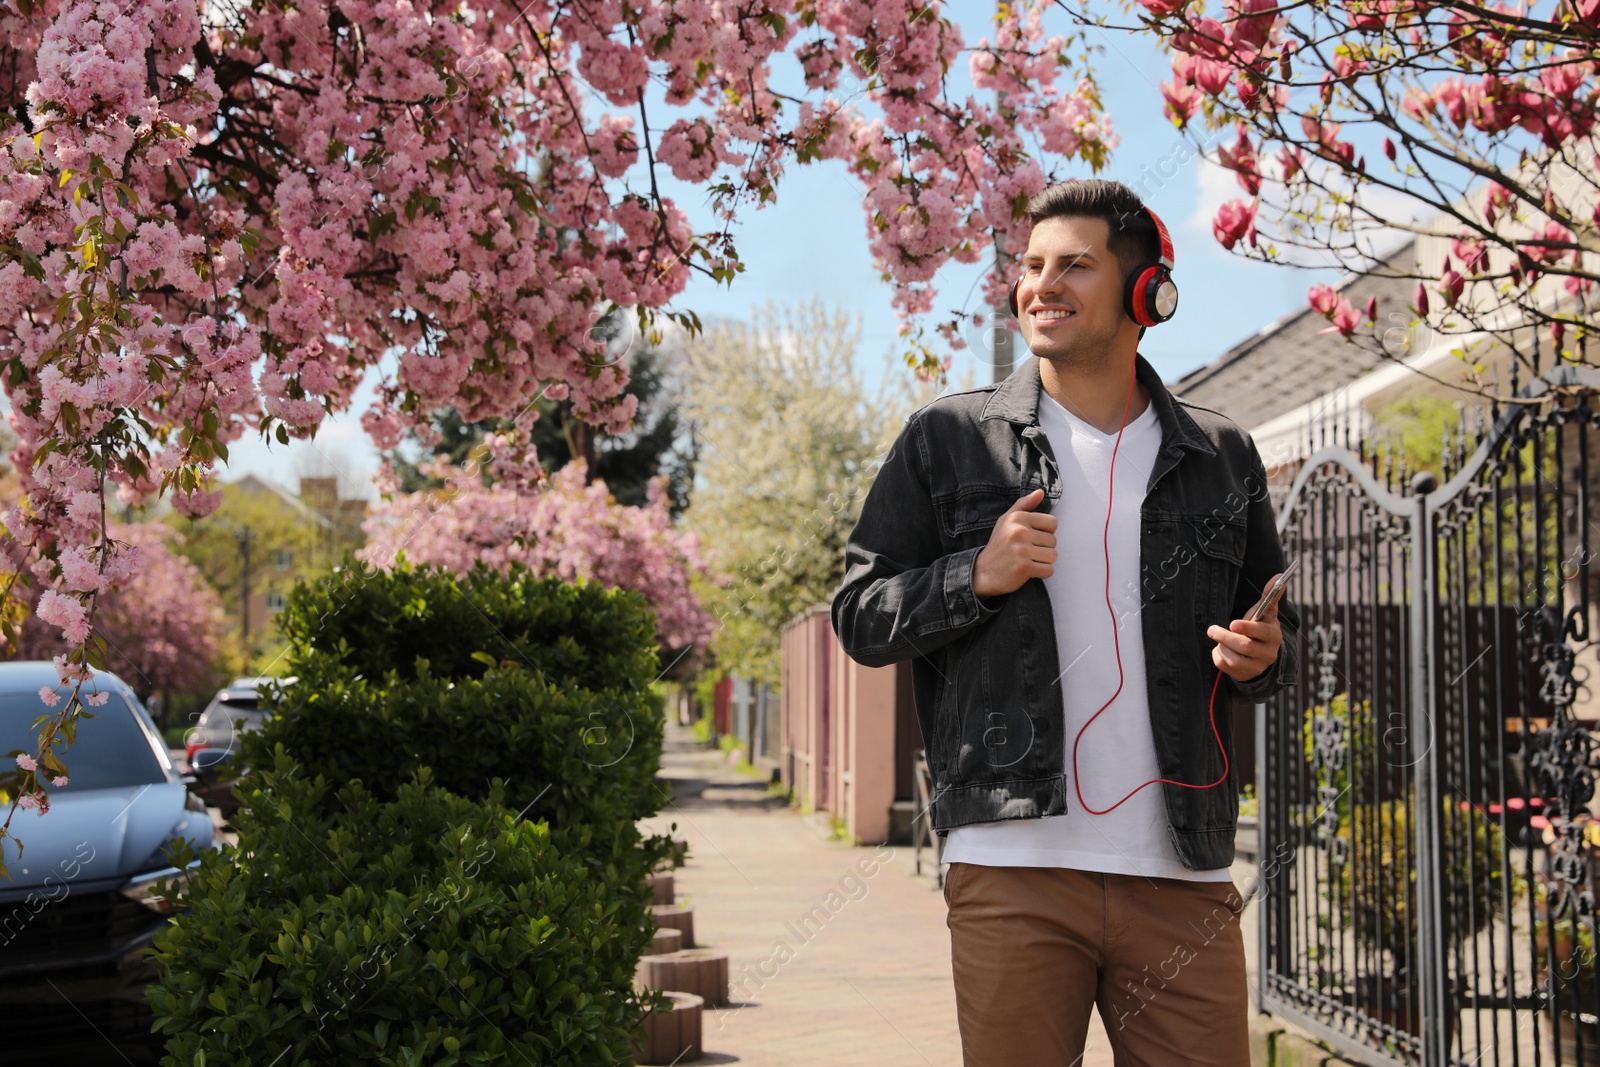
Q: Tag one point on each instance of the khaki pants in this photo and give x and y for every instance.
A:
(1034, 947)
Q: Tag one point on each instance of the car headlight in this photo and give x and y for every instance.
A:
(141, 888)
(158, 867)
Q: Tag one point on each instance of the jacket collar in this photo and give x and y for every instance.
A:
(1017, 400)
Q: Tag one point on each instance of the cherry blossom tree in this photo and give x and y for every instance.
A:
(568, 528)
(219, 218)
(1340, 118)
(163, 627)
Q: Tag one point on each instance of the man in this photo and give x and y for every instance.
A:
(1067, 559)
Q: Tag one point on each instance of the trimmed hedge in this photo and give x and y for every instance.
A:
(487, 710)
(583, 761)
(377, 621)
(346, 929)
(534, 681)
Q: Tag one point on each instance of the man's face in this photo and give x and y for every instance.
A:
(1069, 301)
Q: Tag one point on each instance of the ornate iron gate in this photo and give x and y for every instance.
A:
(1427, 884)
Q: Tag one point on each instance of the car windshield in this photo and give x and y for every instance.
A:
(111, 750)
(238, 707)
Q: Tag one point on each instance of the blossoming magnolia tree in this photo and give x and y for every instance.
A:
(1367, 110)
(569, 530)
(217, 218)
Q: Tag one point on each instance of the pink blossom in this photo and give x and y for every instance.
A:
(1211, 76)
(564, 528)
(1235, 221)
(1293, 161)
(27, 763)
(1183, 101)
(1323, 299)
(1241, 159)
(1474, 254)
(69, 614)
(163, 622)
(1451, 285)
(1345, 319)
(49, 696)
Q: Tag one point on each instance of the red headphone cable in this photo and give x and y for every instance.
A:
(1077, 782)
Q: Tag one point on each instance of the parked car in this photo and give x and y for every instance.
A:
(234, 710)
(213, 745)
(77, 910)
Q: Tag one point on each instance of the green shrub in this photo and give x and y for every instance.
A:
(581, 760)
(540, 683)
(1374, 888)
(379, 621)
(344, 928)
(1376, 885)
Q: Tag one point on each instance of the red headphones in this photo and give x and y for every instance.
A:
(1151, 296)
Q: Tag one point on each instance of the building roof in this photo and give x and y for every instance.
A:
(254, 483)
(1290, 362)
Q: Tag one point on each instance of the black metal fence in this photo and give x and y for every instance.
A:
(1427, 849)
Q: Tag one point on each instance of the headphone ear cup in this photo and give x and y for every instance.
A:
(1137, 299)
(1011, 298)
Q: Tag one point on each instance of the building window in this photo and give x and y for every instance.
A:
(282, 558)
(276, 601)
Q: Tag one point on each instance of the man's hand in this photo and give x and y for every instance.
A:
(1245, 650)
(1022, 545)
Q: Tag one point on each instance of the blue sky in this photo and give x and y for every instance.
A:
(812, 244)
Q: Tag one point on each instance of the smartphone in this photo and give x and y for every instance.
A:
(1270, 597)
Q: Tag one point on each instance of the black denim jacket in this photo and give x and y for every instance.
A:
(985, 672)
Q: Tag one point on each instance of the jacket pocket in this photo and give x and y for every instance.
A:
(967, 517)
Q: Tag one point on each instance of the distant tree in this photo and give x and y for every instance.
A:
(1417, 426)
(281, 540)
(163, 629)
(789, 444)
(569, 528)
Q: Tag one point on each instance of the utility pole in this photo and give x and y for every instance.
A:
(999, 332)
(244, 535)
(1000, 353)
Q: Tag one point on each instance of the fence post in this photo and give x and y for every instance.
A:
(1264, 909)
(1430, 916)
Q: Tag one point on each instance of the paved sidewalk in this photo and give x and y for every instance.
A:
(838, 955)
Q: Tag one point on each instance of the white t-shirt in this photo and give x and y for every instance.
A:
(1118, 751)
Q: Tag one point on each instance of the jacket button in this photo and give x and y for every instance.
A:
(972, 515)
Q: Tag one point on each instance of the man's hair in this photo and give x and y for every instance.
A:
(1133, 239)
